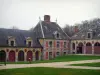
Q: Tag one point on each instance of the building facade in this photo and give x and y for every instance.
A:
(87, 41)
(46, 41)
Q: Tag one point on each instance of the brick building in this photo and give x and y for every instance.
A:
(46, 41)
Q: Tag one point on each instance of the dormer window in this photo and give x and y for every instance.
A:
(56, 35)
(89, 35)
(29, 41)
(11, 41)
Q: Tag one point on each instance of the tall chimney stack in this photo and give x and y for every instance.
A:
(47, 18)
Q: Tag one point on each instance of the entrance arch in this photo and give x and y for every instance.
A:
(80, 48)
(50, 55)
(2, 56)
(20, 56)
(29, 55)
(37, 55)
(12, 56)
(97, 48)
(73, 46)
(88, 48)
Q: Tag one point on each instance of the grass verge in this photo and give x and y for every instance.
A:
(88, 64)
(48, 71)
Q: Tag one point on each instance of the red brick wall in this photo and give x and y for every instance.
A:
(46, 43)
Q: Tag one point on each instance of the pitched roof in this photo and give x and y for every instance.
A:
(83, 33)
(20, 37)
(48, 30)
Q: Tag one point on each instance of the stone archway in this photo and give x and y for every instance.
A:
(88, 48)
(73, 46)
(97, 48)
(29, 55)
(2, 56)
(50, 55)
(80, 48)
(21, 56)
(37, 55)
(11, 56)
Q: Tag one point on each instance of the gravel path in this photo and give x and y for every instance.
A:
(54, 64)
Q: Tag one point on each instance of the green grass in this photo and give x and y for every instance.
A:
(48, 71)
(61, 59)
(88, 64)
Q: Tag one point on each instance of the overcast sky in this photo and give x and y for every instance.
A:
(24, 14)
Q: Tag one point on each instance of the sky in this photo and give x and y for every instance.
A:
(24, 14)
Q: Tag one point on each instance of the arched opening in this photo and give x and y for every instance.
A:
(11, 56)
(57, 53)
(37, 55)
(88, 48)
(20, 56)
(50, 55)
(73, 46)
(97, 48)
(80, 48)
(2, 56)
(64, 53)
(29, 56)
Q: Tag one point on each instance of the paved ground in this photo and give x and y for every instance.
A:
(54, 64)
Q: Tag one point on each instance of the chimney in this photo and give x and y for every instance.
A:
(47, 18)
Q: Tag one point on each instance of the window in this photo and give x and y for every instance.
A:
(50, 44)
(28, 41)
(12, 43)
(89, 35)
(58, 44)
(29, 44)
(57, 35)
(65, 44)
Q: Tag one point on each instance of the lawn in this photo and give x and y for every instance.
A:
(61, 59)
(88, 64)
(48, 71)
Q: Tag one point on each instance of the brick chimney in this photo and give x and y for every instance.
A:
(47, 18)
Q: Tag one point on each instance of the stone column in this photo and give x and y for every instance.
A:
(84, 48)
(7, 57)
(39, 55)
(25, 55)
(92, 48)
(33, 56)
(16, 59)
(76, 48)
(71, 50)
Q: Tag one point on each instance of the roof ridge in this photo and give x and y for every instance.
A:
(41, 27)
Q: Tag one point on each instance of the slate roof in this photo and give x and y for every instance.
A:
(35, 34)
(82, 35)
(48, 30)
(20, 37)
